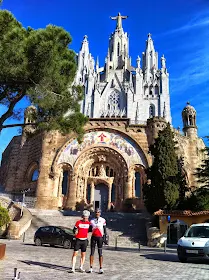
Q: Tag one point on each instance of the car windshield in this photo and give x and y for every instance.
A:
(198, 231)
(67, 230)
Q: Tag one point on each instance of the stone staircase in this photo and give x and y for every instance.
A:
(127, 228)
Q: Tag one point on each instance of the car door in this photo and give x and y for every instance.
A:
(47, 234)
(58, 236)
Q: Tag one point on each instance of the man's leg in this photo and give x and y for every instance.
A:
(75, 253)
(83, 254)
(93, 245)
(99, 245)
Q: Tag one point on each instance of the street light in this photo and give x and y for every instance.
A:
(23, 200)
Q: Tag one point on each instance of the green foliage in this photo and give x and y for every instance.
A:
(39, 64)
(202, 172)
(163, 190)
(199, 200)
(4, 216)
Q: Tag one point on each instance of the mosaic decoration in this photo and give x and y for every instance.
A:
(127, 148)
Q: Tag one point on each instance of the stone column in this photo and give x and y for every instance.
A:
(85, 189)
(128, 188)
(109, 195)
(133, 186)
(92, 194)
(59, 192)
(71, 199)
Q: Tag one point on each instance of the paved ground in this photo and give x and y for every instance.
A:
(46, 263)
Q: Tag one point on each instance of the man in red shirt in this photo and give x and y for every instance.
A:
(81, 230)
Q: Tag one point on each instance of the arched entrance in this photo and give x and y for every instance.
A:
(106, 165)
(103, 171)
(101, 197)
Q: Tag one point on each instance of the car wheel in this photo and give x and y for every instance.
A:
(67, 244)
(38, 242)
(182, 259)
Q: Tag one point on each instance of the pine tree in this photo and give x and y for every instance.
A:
(39, 65)
(162, 189)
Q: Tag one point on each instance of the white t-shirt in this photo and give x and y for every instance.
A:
(98, 226)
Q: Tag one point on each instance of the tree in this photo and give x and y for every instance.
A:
(183, 185)
(162, 189)
(198, 200)
(202, 172)
(4, 216)
(39, 65)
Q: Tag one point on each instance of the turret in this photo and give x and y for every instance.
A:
(189, 121)
(150, 59)
(83, 62)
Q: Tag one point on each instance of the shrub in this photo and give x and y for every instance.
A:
(4, 216)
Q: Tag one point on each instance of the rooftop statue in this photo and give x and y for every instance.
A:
(119, 20)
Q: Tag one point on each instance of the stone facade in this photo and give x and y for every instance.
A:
(108, 167)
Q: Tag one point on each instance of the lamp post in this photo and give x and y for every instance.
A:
(23, 200)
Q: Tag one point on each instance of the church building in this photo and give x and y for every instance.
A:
(127, 106)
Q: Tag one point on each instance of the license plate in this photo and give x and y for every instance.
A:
(192, 251)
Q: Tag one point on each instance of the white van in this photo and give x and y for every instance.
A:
(194, 243)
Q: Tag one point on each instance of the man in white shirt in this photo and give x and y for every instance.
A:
(99, 235)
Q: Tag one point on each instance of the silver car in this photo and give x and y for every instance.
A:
(194, 243)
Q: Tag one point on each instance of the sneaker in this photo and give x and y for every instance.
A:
(72, 270)
(81, 269)
(90, 270)
(101, 271)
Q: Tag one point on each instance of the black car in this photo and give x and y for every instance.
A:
(53, 235)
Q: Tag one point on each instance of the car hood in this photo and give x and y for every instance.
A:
(192, 242)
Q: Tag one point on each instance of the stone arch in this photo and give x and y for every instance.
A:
(115, 130)
(100, 157)
(63, 176)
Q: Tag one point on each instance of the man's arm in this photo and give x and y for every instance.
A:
(105, 240)
(75, 229)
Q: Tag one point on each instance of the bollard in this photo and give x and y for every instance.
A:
(116, 243)
(9, 236)
(23, 237)
(15, 274)
(139, 246)
(165, 245)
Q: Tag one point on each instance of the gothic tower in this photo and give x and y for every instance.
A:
(189, 121)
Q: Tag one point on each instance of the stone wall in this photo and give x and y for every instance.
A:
(44, 149)
(15, 163)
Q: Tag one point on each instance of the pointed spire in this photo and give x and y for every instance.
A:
(150, 45)
(97, 65)
(85, 45)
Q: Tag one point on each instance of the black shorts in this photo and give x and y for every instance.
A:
(96, 241)
(81, 244)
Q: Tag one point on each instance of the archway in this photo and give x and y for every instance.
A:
(103, 171)
(103, 157)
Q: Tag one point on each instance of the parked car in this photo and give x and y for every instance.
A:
(54, 235)
(194, 243)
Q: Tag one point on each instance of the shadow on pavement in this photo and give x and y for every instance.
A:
(47, 265)
(174, 258)
(161, 257)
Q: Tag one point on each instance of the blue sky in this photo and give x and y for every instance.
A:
(179, 28)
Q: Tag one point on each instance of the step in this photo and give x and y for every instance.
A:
(128, 228)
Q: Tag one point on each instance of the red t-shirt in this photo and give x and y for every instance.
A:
(83, 229)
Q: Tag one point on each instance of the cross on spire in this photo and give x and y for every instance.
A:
(119, 19)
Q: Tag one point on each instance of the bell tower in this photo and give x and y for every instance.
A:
(189, 121)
